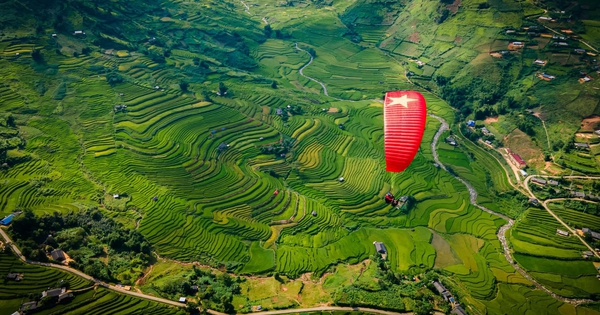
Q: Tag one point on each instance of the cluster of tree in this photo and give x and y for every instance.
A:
(215, 291)
(391, 287)
(280, 148)
(86, 236)
(369, 12)
(476, 94)
(10, 139)
(280, 34)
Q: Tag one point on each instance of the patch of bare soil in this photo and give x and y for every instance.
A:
(490, 120)
(454, 6)
(414, 37)
(333, 110)
(550, 169)
(590, 123)
(585, 135)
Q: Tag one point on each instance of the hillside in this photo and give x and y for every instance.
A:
(161, 133)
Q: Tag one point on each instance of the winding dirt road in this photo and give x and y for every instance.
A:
(306, 65)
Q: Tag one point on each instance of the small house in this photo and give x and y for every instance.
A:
(488, 142)
(562, 232)
(580, 145)
(578, 194)
(28, 306)
(79, 33)
(314, 213)
(534, 201)
(54, 35)
(54, 292)
(595, 235)
(579, 51)
(458, 310)
(7, 219)
(182, 299)
(516, 159)
(58, 255)
(544, 18)
(380, 248)
(64, 296)
(546, 35)
(451, 141)
(439, 287)
(564, 44)
(485, 131)
(585, 79)
(523, 173)
(116, 196)
(546, 77)
(538, 181)
(540, 62)
(509, 31)
(341, 179)
(194, 288)
(553, 182)
(155, 198)
(279, 111)
(471, 123)
(14, 276)
(447, 295)
(222, 146)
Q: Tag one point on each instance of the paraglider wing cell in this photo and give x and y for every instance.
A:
(404, 116)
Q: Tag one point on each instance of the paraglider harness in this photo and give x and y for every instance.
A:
(389, 198)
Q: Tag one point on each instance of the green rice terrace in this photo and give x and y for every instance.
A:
(231, 154)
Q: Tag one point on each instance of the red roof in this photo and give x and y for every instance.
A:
(276, 192)
(518, 159)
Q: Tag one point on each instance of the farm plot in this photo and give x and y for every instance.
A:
(555, 261)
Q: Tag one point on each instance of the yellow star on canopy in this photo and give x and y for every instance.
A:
(402, 100)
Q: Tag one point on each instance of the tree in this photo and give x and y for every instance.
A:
(192, 308)
(114, 78)
(37, 56)
(268, 30)
(222, 88)
(274, 84)
(184, 85)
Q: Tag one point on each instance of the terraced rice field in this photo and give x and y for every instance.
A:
(554, 260)
(86, 300)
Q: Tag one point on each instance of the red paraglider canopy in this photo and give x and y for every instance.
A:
(404, 115)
